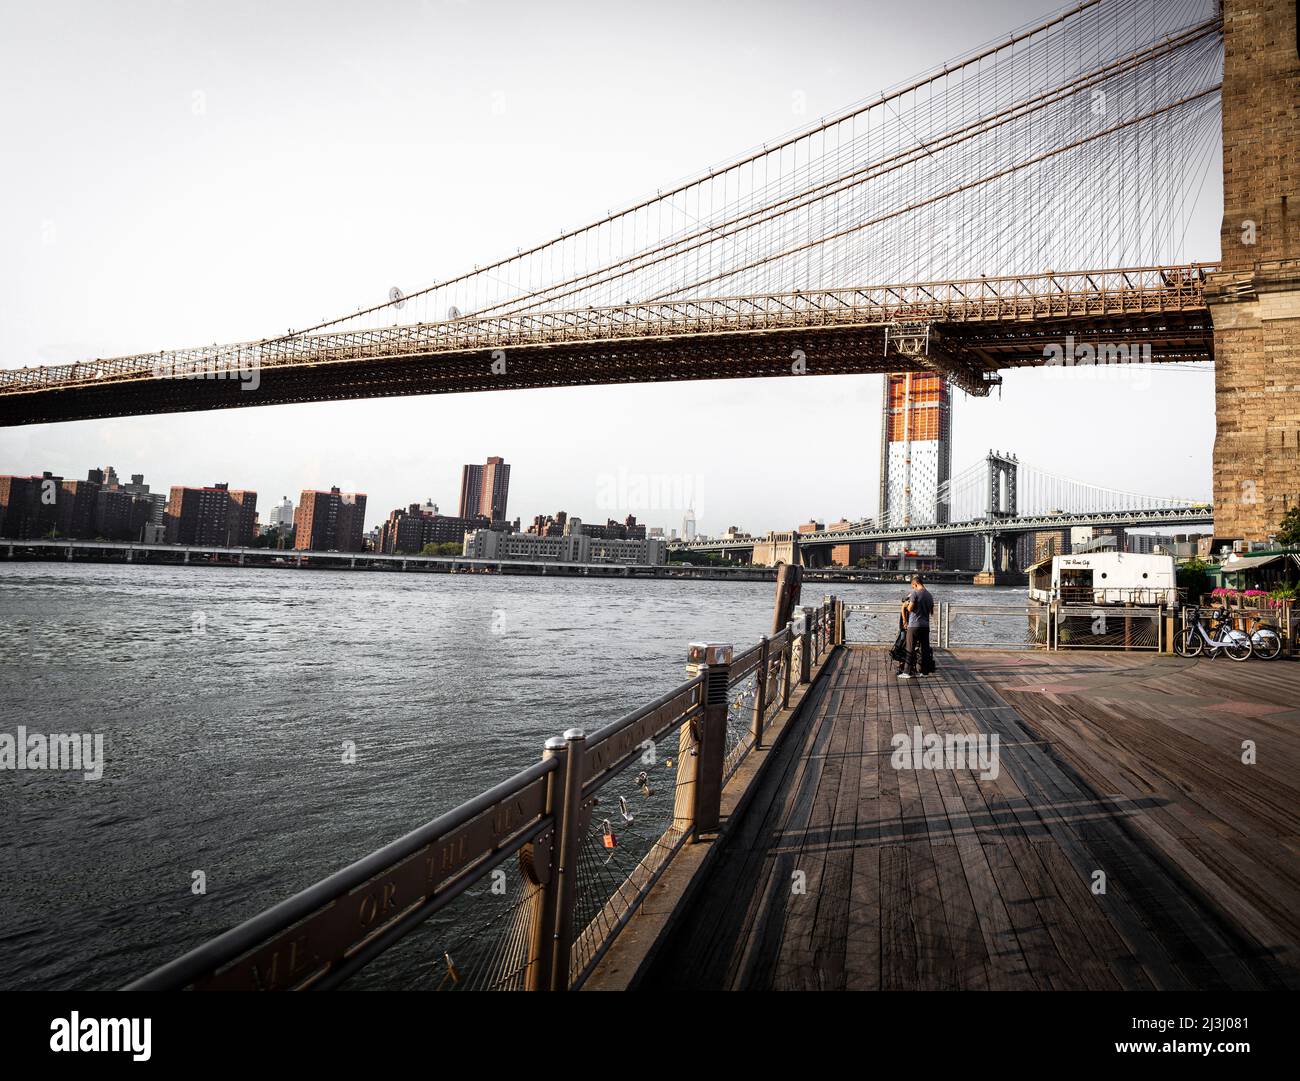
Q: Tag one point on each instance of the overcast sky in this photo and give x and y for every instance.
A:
(184, 173)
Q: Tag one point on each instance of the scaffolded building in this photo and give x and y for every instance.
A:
(915, 455)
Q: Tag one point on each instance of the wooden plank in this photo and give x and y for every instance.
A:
(1037, 801)
(829, 939)
(807, 826)
(863, 948)
(1166, 819)
(942, 878)
(899, 947)
(970, 957)
(773, 861)
(1168, 918)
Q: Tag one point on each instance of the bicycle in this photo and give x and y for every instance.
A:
(1265, 642)
(1192, 640)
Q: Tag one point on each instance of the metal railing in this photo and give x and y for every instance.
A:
(759, 688)
(1017, 626)
(953, 624)
(544, 869)
(1100, 626)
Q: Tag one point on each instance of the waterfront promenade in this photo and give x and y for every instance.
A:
(1122, 764)
(1112, 820)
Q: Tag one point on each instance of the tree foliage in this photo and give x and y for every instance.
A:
(1288, 532)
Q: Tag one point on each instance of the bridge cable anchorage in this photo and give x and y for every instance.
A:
(1011, 158)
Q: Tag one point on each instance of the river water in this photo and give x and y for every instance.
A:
(226, 698)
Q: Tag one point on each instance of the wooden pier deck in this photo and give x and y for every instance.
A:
(1126, 764)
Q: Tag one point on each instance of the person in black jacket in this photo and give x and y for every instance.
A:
(918, 607)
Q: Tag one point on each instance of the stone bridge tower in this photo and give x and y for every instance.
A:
(1255, 299)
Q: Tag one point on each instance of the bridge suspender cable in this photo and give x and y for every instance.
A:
(753, 156)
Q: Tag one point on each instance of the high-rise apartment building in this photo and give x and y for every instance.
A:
(77, 502)
(281, 515)
(87, 509)
(157, 501)
(242, 519)
(29, 506)
(915, 454)
(352, 522)
(119, 515)
(332, 521)
(484, 490)
(215, 516)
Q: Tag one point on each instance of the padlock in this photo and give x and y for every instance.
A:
(608, 838)
(622, 809)
(643, 782)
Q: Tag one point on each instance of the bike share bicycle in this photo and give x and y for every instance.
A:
(1195, 639)
(1265, 642)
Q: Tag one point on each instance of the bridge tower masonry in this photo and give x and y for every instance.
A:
(1254, 300)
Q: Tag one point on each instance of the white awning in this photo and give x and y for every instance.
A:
(1250, 563)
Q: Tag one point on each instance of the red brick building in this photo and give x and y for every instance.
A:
(330, 521)
(411, 529)
(214, 515)
(484, 490)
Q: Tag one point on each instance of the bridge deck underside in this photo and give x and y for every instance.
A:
(940, 879)
(827, 350)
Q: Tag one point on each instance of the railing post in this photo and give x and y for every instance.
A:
(789, 577)
(805, 645)
(568, 843)
(538, 861)
(713, 662)
(787, 676)
(760, 692)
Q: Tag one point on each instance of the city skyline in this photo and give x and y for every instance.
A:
(206, 112)
(287, 512)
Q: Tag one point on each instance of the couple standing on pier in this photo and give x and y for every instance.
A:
(914, 632)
